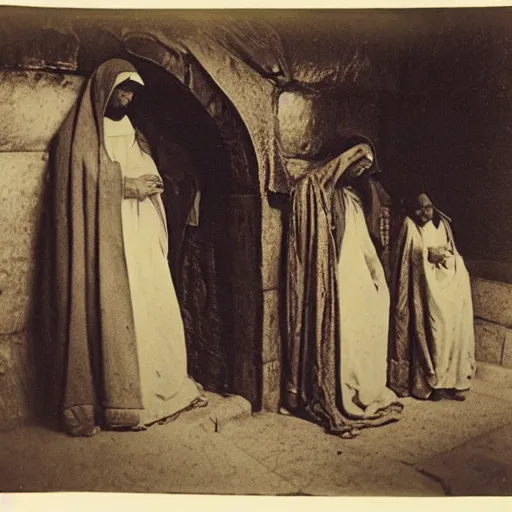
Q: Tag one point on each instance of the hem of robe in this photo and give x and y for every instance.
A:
(381, 418)
(187, 394)
(345, 424)
(399, 372)
(81, 420)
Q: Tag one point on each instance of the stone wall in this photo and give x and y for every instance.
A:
(32, 106)
(492, 302)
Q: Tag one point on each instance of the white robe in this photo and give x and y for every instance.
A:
(364, 317)
(450, 314)
(166, 386)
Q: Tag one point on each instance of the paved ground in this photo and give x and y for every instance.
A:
(438, 449)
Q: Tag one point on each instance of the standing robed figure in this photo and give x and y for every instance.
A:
(118, 332)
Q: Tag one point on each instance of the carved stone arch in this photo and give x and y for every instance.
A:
(223, 337)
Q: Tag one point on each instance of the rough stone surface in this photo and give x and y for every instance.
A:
(38, 100)
(246, 298)
(221, 411)
(506, 359)
(491, 270)
(233, 408)
(480, 468)
(438, 449)
(247, 315)
(492, 301)
(179, 457)
(15, 380)
(273, 244)
(494, 373)
(47, 48)
(244, 213)
(271, 393)
(325, 465)
(431, 428)
(271, 326)
(489, 341)
(23, 178)
(202, 316)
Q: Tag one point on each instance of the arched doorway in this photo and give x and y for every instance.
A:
(206, 148)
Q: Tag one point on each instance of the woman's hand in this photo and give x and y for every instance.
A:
(142, 187)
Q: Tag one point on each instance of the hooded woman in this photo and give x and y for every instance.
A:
(118, 327)
(338, 301)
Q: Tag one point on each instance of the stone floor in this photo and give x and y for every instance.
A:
(438, 449)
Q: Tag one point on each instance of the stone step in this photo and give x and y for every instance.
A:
(496, 374)
(492, 301)
(220, 411)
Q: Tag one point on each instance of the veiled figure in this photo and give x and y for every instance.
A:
(119, 333)
(338, 299)
(432, 341)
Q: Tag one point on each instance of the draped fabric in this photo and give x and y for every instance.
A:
(431, 330)
(313, 343)
(252, 64)
(94, 330)
(161, 350)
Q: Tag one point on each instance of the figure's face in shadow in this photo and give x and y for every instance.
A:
(120, 100)
(423, 210)
(358, 169)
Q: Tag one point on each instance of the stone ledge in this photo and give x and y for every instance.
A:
(16, 382)
(23, 178)
(490, 270)
(489, 341)
(496, 374)
(219, 412)
(39, 100)
(492, 301)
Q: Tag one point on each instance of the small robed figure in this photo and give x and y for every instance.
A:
(432, 342)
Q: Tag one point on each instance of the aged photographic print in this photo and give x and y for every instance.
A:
(256, 252)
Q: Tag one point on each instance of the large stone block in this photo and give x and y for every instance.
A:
(273, 245)
(271, 326)
(490, 270)
(23, 179)
(203, 318)
(247, 325)
(498, 375)
(271, 393)
(489, 340)
(506, 359)
(245, 225)
(492, 301)
(16, 380)
(43, 48)
(33, 105)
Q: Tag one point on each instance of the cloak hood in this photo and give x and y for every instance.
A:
(94, 333)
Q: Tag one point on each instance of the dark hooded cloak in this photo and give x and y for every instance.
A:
(313, 336)
(94, 333)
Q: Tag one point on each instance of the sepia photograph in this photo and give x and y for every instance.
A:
(256, 252)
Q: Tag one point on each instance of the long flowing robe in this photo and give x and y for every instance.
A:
(159, 331)
(315, 346)
(97, 374)
(432, 343)
(364, 316)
